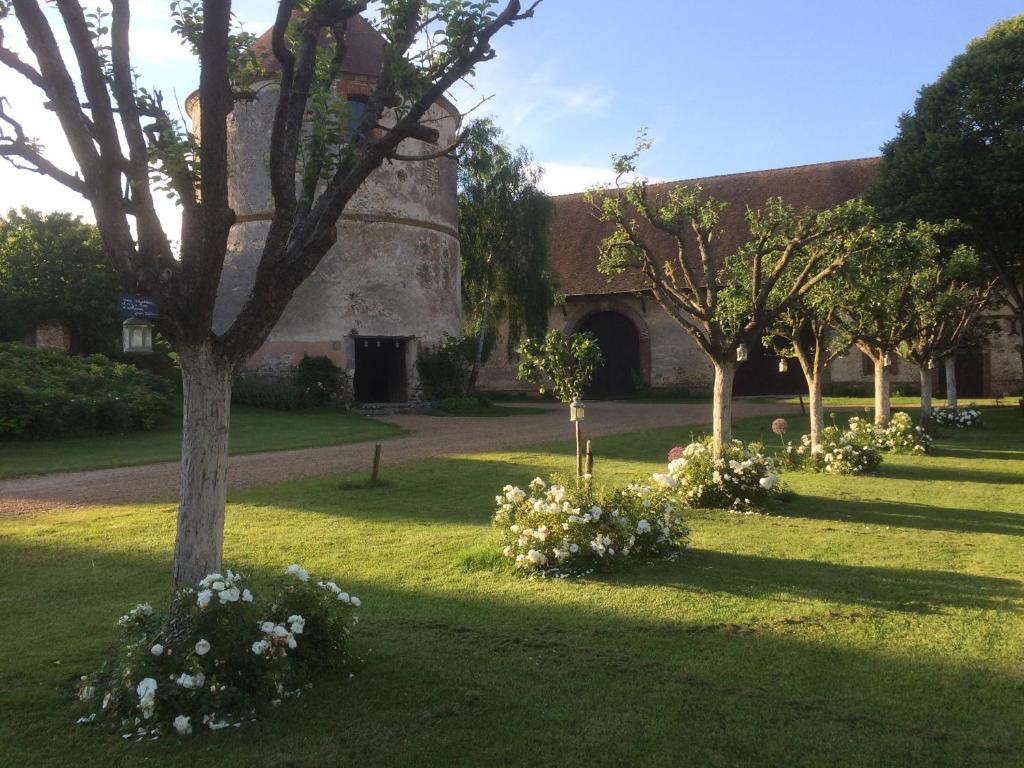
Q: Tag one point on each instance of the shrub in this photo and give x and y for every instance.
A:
(322, 381)
(277, 396)
(552, 526)
(218, 653)
(852, 451)
(959, 418)
(45, 393)
(743, 479)
(444, 369)
(901, 435)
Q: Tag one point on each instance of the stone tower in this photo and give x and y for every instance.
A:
(391, 283)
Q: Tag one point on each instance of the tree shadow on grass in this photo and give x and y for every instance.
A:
(905, 514)
(625, 678)
(894, 589)
(963, 473)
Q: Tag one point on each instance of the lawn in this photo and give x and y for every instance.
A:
(252, 430)
(870, 621)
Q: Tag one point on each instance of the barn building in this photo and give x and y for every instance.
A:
(644, 349)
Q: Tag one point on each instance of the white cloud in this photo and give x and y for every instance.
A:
(563, 179)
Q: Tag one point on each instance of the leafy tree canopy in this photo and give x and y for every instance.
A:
(54, 269)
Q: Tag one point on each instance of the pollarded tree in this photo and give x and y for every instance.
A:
(503, 230)
(881, 296)
(126, 146)
(958, 156)
(721, 300)
(949, 296)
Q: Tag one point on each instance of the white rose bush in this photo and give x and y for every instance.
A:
(957, 418)
(744, 479)
(219, 654)
(902, 435)
(554, 527)
(858, 449)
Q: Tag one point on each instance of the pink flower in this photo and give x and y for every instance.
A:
(779, 426)
(676, 453)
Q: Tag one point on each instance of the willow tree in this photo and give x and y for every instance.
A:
(503, 230)
(722, 300)
(127, 146)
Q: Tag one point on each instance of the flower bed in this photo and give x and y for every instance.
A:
(552, 526)
(851, 451)
(901, 435)
(743, 479)
(218, 654)
(958, 418)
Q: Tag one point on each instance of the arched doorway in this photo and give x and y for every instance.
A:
(619, 341)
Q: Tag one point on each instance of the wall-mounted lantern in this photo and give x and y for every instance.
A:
(783, 365)
(742, 352)
(577, 411)
(886, 360)
(137, 335)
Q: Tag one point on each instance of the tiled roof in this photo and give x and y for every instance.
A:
(576, 233)
(364, 55)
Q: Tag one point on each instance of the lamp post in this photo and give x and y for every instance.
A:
(577, 412)
(137, 336)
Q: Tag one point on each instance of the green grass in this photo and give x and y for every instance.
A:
(252, 430)
(871, 621)
(909, 401)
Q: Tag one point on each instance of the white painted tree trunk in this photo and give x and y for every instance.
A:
(816, 408)
(199, 542)
(926, 393)
(882, 407)
(949, 364)
(721, 419)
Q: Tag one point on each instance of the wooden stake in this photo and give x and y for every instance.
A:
(589, 466)
(375, 476)
(579, 454)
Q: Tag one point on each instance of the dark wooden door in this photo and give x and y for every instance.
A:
(620, 346)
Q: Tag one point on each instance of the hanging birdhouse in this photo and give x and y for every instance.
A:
(742, 351)
(137, 336)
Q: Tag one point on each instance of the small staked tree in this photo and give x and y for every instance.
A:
(128, 146)
(721, 300)
(503, 231)
(565, 365)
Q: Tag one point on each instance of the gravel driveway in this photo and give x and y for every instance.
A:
(431, 436)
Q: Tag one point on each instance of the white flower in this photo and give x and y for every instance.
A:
(537, 557)
(183, 725)
(157, 650)
(300, 573)
(203, 598)
(260, 647)
(267, 627)
(343, 596)
(574, 548)
(507, 551)
(203, 647)
(217, 586)
(280, 631)
(146, 690)
(230, 595)
(356, 601)
(643, 527)
(246, 595)
(185, 680)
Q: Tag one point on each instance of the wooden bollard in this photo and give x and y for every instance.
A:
(589, 471)
(375, 476)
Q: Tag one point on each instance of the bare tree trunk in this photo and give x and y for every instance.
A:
(721, 420)
(882, 407)
(206, 380)
(485, 310)
(816, 408)
(926, 393)
(949, 364)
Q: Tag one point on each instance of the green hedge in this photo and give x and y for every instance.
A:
(261, 394)
(44, 393)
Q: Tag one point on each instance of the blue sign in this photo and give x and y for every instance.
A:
(139, 306)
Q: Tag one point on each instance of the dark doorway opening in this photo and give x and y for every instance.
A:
(760, 374)
(619, 341)
(380, 370)
(970, 375)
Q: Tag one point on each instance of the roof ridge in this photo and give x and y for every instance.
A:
(745, 173)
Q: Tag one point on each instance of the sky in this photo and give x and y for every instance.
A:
(722, 87)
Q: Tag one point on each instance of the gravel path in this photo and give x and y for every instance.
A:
(431, 436)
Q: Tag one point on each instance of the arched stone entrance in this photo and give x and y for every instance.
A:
(619, 340)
